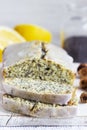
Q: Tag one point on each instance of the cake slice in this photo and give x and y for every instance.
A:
(43, 91)
(37, 109)
(38, 61)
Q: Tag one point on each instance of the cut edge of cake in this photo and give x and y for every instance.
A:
(48, 92)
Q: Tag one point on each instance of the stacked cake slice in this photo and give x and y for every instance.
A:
(38, 80)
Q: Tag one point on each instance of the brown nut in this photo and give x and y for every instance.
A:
(81, 66)
(82, 72)
(83, 83)
(83, 97)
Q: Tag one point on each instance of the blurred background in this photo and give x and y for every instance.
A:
(50, 14)
(65, 19)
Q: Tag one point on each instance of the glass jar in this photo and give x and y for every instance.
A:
(74, 33)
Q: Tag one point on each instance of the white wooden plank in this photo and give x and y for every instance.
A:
(28, 121)
(45, 128)
(4, 120)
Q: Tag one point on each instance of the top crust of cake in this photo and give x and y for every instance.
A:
(36, 50)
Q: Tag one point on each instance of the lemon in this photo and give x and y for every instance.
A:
(11, 35)
(33, 32)
(3, 44)
(8, 36)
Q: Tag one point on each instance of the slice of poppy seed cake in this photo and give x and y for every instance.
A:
(38, 61)
(38, 109)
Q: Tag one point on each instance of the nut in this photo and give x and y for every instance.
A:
(82, 70)
(83, 97)
(81, 66)
(83, 83)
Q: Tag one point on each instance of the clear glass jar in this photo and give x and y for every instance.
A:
(74, 33)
